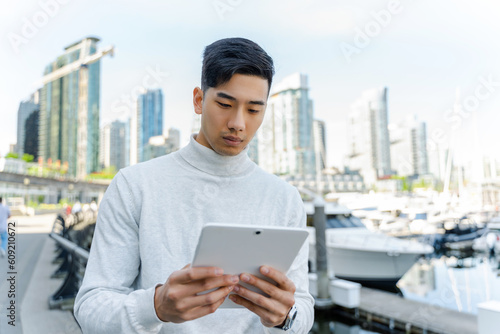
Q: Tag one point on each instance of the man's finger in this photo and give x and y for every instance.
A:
(255, 298)
(267, 318)
(263, 285)
(213, 283)
(192, 274)
(207, 284)
(207, 298)
(283, 281)
(260, 311)
(203, 310)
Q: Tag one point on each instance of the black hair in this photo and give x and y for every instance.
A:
(226, 57)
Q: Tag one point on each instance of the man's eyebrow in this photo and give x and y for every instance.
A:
(229, 97)
(225, 96)
(260, 103)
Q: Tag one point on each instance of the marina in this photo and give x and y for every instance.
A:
(386, 312)
(430, 279)
(438, 295)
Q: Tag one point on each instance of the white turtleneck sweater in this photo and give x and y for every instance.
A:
(148, 226)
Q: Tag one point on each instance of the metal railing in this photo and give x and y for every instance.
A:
(73, 236)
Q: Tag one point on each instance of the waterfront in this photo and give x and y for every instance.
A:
(458, 281)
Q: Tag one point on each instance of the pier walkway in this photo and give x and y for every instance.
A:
(434, 319)
(34, 255)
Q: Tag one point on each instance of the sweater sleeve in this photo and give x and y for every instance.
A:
(107, 301)
(298, 273)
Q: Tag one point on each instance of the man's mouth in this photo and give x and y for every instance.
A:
(232, 140)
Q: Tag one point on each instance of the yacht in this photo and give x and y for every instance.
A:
(358, 254)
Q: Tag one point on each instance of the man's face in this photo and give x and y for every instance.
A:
(231, 113)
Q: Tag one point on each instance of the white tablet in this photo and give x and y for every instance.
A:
(245, 248)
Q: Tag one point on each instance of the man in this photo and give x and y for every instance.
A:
(4, 215)
(150, 219)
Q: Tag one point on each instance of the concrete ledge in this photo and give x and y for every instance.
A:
(36, 317)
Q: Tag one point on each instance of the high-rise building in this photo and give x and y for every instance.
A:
(104, 146)
(419, 149)
(285, 139)
(31, 127)
(319, 133)
(115, 145)
(369, 146)
(161, 145)
(28, 108)
(174, 137)
(409, 154)
(69, 108)
(149, 119)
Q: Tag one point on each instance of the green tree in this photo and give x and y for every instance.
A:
(12, 155)
(28, 157)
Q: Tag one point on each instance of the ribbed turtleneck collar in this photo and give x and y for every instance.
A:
(209, 161)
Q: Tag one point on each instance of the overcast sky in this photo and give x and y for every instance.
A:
(421, 50)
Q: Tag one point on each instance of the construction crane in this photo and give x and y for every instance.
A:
(84, 62)
(82, 65)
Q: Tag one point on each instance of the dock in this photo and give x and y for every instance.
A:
(380, 309)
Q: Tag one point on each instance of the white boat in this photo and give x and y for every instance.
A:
(489, 242)
(358, 254)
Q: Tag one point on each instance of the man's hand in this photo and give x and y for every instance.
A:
(274, 309)
(177, 300)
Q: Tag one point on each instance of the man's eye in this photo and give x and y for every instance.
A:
(224, 105)
(253, 111)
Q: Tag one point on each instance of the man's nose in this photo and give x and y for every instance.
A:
(237, 120)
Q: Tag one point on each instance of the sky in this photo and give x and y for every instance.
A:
(423, 51)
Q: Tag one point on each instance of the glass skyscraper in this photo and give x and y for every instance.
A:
(69, 109)
(28, 109)
(149, 119)
(115, 149)
(285, 140)
(369, 145)
(409, 155)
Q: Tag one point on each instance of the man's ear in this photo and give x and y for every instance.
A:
(198, 100)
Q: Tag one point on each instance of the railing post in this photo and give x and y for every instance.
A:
(323, 299)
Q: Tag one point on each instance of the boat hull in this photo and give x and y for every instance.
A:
(381, 284)
(372, 259)
(369, 265)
